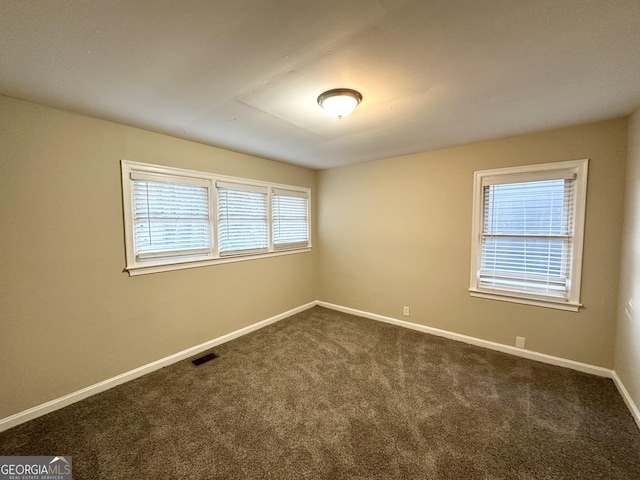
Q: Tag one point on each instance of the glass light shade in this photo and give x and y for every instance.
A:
(339, 102)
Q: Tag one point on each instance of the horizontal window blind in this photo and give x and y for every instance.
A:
(527, 235)
(289, 215)
(176, 218)
(170, 219)
(242, 219)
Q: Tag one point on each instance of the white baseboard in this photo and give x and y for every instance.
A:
(76, 396)
(633, 408)
(540, 357)
(58, 403)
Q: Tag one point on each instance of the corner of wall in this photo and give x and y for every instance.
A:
(627, 347)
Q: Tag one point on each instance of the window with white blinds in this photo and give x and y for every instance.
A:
(177, 218)
(528, 224)
(290, 219)
(171, 218)
(242, 219)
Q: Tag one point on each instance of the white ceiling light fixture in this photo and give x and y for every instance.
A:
(339, 102)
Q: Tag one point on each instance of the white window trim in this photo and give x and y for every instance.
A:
(280, 247)
(246, 187)
(514, 174)
(212, 257)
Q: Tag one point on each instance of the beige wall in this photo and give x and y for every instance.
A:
(627, 364)
(70, 316)
(397, 232)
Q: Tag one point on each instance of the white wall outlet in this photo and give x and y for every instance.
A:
(405, 311)
(520, 342)
(628, 308)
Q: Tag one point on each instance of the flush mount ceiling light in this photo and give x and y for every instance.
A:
(339, 102)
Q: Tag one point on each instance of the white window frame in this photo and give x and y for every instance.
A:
(532, 173)
(277, 193)
(140, 266)
(244, 187)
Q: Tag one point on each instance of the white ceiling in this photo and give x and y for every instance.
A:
(245, 74)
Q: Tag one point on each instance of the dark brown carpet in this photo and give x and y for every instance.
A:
(325, 395)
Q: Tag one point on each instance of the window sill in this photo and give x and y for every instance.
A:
(523, 299)
(147, 269)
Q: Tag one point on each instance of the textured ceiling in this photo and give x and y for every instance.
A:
(245, 74)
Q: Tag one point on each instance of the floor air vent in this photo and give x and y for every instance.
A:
(204, 358)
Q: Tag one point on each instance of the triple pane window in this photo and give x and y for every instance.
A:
(181, 217)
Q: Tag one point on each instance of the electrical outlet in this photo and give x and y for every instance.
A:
(629, 307)
(520, 342)
(405, 311)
